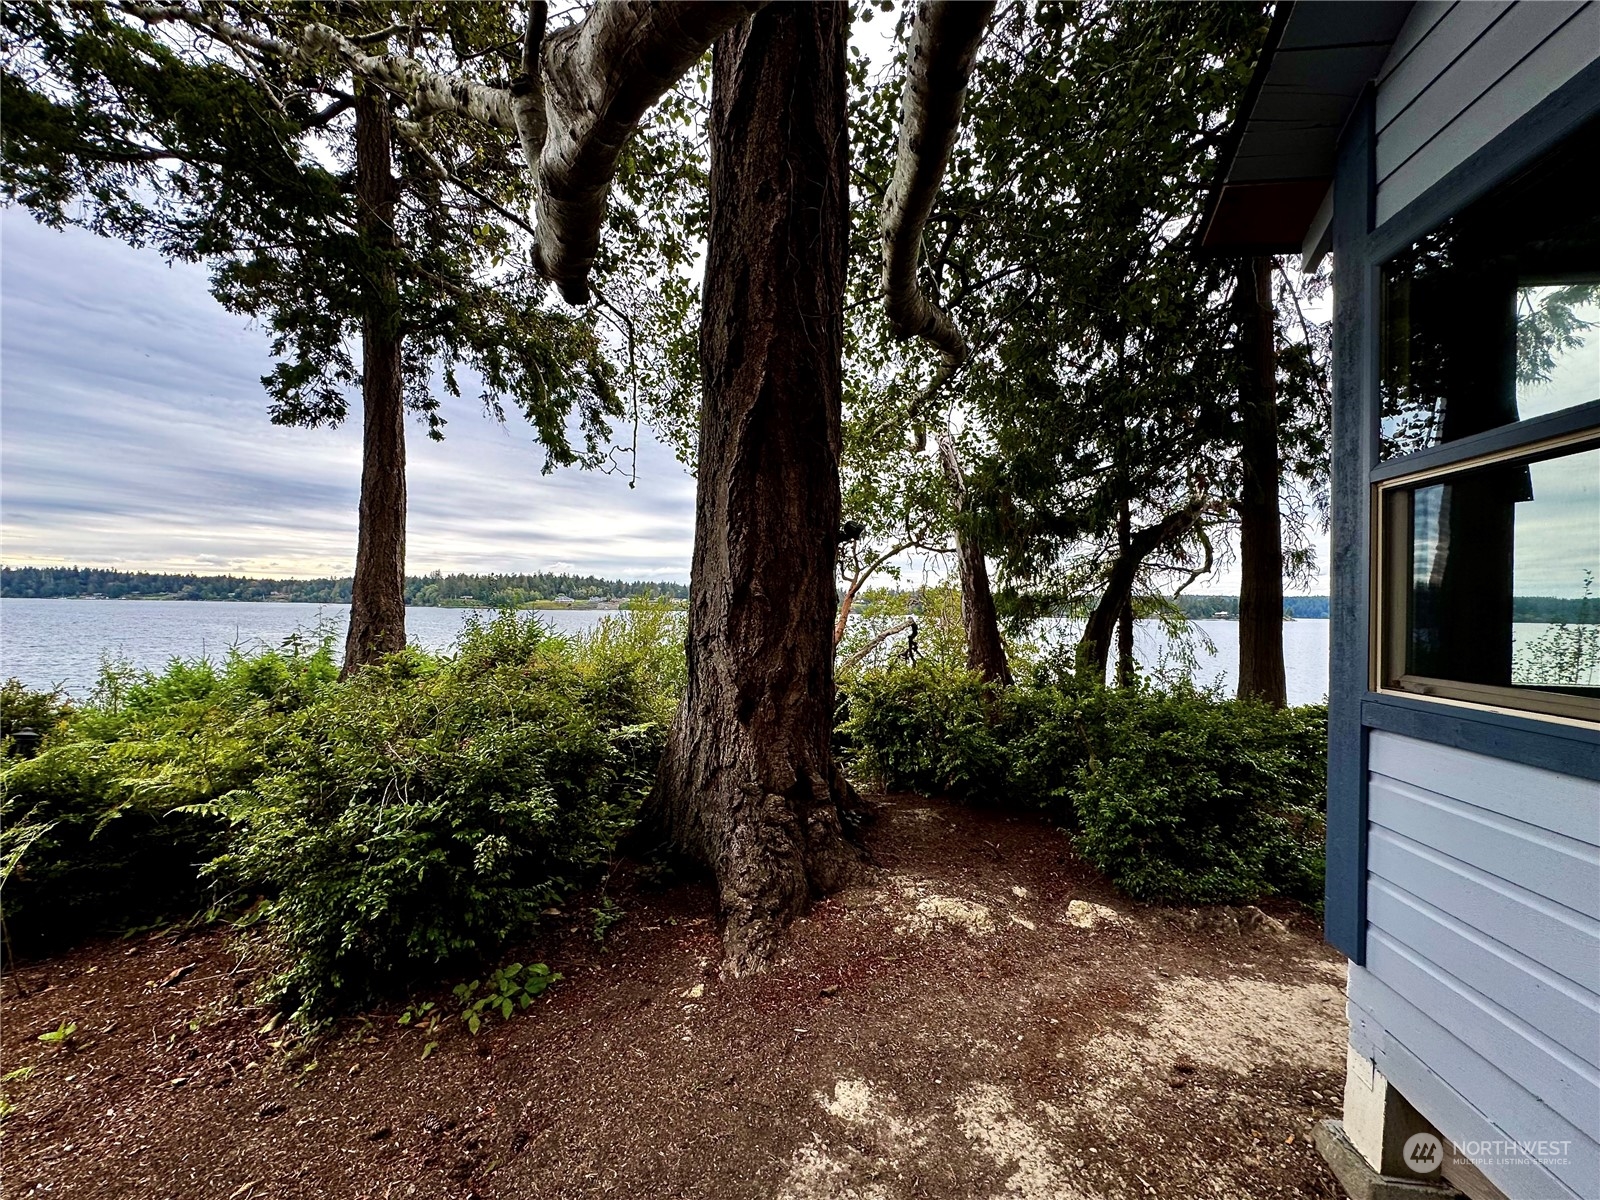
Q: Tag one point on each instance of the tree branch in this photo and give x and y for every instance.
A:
(601, 75)
(909, 623)
(858, 582)
(944, 45)
(425, 90)
(527, 89)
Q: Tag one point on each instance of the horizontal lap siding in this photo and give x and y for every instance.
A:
(1453, 1086)
(1461, 73)
(1482, 981)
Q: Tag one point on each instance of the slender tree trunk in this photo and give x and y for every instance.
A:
(748, 785)
(377, 593)
(1125, 667)
(986, 652)
(1094, 646)
(1261, 674)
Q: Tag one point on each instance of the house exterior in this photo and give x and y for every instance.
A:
(1448, 156)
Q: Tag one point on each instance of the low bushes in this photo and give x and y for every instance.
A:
(427, 811)
(1206, 801)
(1176, 795)
(106, 827)
(412, 817)
(421, 814)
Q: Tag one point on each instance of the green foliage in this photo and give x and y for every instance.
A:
(489, 591)
(60, 1035)
(1176, 795)
(927, 728)
(1206, 801)
(426, 811)
(209, 149)
(23, 708)
(506, 990)
(413, 817)
(106, 826)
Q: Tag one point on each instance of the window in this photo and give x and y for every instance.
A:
(1490, 573)
(1488, 547)
(1494, 317)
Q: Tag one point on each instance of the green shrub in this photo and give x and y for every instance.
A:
(1175, 795)
(424, 812)
(107, 826)
(1204, 801)
(925, 728)
(22, 708)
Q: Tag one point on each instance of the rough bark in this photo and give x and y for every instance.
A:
(1094, 646)
(377, 593)
(1125, 667)
(944, 44)
(601, 75)
(1261, 673)
(748, 785)
(986, 653)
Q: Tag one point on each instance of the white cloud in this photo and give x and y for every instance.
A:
(134, 434)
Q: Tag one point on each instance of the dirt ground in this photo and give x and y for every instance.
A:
(986, 1018)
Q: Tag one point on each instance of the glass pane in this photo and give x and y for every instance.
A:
(1494, 317)
(1558, 348)
(1503, 567)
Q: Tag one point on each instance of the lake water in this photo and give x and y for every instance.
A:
(50, 643)
(61, 643)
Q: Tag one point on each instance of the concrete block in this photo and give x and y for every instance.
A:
(1356, 1176)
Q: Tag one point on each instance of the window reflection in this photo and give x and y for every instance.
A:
(1500, 591)
(1495, 317)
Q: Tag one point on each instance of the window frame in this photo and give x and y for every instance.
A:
(1575, 431)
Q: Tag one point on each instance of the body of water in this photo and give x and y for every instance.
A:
(61, 643)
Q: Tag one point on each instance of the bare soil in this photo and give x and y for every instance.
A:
(957, 1028)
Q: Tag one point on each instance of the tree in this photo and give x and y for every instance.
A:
(1261, 675)
(263, 139)
(748, 785)
(1102, 401)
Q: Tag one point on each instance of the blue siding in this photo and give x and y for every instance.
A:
(1480, 997)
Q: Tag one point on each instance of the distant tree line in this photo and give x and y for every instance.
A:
(1200, 608)
(1543, 609)
(432, 590)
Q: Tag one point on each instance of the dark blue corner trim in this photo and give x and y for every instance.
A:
(1354, 450)
(1569, 749)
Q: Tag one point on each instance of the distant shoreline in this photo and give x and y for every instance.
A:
(525, 606)
(436, 590)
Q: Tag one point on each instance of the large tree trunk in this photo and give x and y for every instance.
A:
(377, 594)
(986, 653)
(748, 786)
(1260, 522)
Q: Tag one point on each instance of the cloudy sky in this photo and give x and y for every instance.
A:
(134, 434)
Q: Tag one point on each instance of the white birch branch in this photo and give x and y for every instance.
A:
(580, 95)
(425, 90)
(601, 76)
(944, 45)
